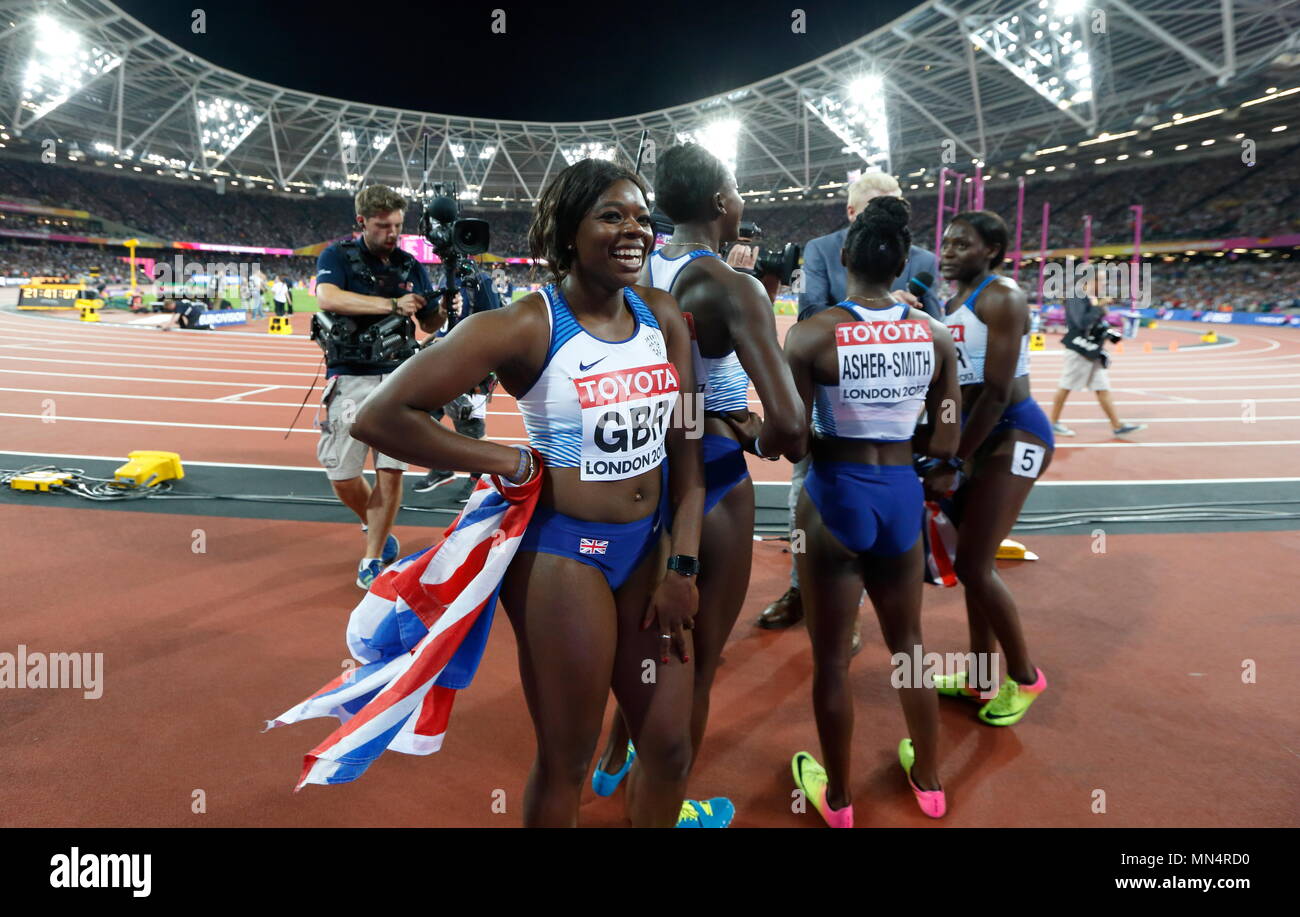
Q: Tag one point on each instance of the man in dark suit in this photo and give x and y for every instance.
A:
(824, 276)
(824, 281)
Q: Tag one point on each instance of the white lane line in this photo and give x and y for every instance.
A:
(519, 439)
(164, 354)
(232, 399)
(63, 418)
(35, 372)
(1128, 483)
(1189, 388)
(256, 391)
(1170, 397)
(191, 369)
(23, 338)
(1235, 418)
(1244, 442)
(1106, 483)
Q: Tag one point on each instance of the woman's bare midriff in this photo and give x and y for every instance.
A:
(628, 500)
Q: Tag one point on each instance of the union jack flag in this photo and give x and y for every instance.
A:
(592, 546)
(418, 635)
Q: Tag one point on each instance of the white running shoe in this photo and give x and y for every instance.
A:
(1061, 429)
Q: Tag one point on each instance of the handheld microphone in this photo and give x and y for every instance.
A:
(919, 285)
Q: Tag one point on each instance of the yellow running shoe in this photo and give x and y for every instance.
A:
(1013, 701)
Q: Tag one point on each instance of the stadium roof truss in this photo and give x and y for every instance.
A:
(979, 80)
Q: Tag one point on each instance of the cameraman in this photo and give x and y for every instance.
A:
(367, 280)
(1086, 360)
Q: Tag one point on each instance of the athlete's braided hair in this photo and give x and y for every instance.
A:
(562, 206)
(879, 239)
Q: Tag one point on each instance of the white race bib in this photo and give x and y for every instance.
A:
(966, 374)
(884, 362)
(625, 416)
(1027, 460)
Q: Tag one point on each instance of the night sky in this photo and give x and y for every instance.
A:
(555, 61)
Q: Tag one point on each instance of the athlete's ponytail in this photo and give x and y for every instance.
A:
(562, 206)
(879, 239)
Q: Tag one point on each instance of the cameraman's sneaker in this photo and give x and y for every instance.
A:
(1061, 429)
(1129, 428)
(368, 570)
(432, 480)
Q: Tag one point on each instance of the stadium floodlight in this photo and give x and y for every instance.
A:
(587, 150)
(857, 114)
(223, 125)
(720, 137)
(61, 64)
(473, 160)
(1045, 49)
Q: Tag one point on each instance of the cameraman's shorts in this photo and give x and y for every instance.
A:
(340, 455)
(1079, 373)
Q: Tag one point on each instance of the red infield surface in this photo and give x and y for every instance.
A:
(1143, 646)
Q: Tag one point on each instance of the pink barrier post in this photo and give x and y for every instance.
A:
(979, 187)
(1042, 261)
(1020, 222)
(1135, 265)
(938, 226)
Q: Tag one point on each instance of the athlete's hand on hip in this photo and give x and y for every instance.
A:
(672, 609)
(939, 483)
(747, 431)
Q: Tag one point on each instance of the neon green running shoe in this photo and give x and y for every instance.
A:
(810, 777)
(708, 813)
(954, 685)
(1013, 701)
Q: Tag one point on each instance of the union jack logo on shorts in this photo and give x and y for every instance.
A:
(592, 545)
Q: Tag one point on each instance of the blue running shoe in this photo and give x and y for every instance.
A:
(391, 548)
(367, 572)
(710, 813)
(605, 784)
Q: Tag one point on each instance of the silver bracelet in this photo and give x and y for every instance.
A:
(526, 464)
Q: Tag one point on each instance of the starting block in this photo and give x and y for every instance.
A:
(146, 467)
(279, 325)
(1038, 341)
(1210, 337)
(90, 309)
(1014, 550)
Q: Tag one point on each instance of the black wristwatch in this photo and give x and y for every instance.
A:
(684, 564)
(954, 463)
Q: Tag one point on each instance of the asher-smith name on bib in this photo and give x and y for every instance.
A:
(884, 361)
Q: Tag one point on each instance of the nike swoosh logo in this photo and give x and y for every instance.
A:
(583, 367)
